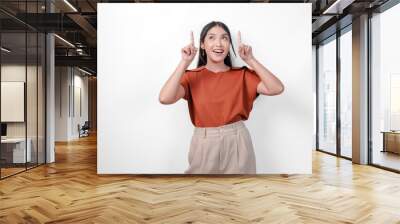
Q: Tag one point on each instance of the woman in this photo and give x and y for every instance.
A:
(219, 97)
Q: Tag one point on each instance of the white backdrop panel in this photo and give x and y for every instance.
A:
(138, 49)
(12, 101)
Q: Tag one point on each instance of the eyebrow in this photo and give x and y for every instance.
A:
(225, 34)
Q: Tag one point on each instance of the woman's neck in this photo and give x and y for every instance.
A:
(216, 67)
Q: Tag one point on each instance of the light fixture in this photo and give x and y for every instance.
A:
(5, 50)
(70, 5)
(84, 71)
(338, 6)
(64, 40)
(79, 51)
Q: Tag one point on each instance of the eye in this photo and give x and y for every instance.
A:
(225, 37)
(211, 37)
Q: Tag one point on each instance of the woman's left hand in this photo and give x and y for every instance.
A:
(245, 51)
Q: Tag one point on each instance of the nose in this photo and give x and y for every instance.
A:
(219, 42)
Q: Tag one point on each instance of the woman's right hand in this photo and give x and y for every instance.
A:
(189, 52)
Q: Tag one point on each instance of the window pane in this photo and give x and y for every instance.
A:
(346, 93)
(41, 98)
(327, 96)
(31, 101)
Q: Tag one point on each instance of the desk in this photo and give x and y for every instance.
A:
(15, 148)
(391, 141)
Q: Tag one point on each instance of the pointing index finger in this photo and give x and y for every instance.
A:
(239, 38)
(191, 38)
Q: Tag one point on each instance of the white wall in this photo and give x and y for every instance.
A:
(68, 81)
(80, 83)
(138, 49)
(61, 103)
(18, 73)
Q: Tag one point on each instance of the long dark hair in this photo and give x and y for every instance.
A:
(203, 56)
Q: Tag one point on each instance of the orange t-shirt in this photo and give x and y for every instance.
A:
(221, 98)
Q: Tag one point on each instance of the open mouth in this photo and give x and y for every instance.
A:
(218, 51)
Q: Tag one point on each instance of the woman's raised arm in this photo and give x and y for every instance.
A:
(172, 90)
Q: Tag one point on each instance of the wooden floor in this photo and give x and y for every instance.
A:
(9, 171)
(70, 191)
(5, 172)
(387, 159)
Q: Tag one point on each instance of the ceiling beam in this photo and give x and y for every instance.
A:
(337, 7)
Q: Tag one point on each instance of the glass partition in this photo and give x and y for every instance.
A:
(32, 95)
(13, 104)
(41, 88)
(22, 77)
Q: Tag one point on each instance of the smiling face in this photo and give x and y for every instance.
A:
(216, 44)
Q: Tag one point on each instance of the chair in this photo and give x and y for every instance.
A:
(84, 130)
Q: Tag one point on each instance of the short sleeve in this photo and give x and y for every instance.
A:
(185, 82)
(251, 82)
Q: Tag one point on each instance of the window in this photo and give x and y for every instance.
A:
(327, 96)
(346, 93)
(385, 88)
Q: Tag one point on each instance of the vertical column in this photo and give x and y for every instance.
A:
(360, 90)
(50, 92)
(338, 98)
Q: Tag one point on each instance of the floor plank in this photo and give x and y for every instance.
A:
(70, 191)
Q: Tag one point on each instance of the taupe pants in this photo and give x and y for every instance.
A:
(227, 149)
